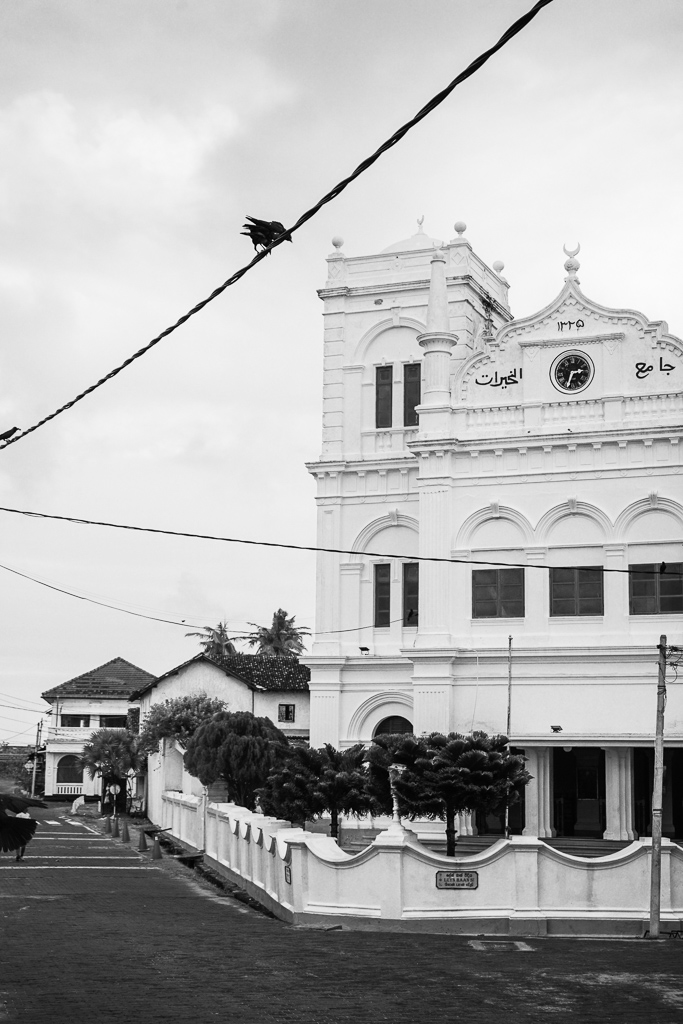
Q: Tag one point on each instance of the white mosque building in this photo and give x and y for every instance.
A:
(536, 456)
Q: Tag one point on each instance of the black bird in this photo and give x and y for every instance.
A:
(8, 433)
(16, 832)
(263, 232)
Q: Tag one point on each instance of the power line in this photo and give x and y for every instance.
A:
(6, 718)
(294, 547)
(15, 734)
(332, 194)
(18, 707)
(24, 700)
(102, 604)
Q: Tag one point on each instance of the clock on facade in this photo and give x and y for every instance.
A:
(571, 372)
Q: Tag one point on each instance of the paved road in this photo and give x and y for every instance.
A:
(91, 931)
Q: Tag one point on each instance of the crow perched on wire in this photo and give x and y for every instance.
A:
(16, 832)
(8, 433)
(263, 232)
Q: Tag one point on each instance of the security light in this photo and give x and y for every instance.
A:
(556, 728)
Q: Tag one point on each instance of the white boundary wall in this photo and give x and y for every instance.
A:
(524, 886)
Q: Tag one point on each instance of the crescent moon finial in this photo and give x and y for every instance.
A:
(573, 251)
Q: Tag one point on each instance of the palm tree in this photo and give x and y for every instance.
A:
(282, 640)
(113, 755)
(215, 642)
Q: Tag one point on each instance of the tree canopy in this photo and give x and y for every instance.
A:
(239, 748)
(215, 641)
(114, 755)
(446, 775)
(177, 718)
(311, 782)
(282, 639)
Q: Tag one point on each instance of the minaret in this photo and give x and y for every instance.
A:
(437, 342)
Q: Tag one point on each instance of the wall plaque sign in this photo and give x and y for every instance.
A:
(457, 880)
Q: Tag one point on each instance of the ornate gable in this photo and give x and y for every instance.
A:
(573, 351)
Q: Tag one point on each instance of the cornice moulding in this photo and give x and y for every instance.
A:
(575, 341)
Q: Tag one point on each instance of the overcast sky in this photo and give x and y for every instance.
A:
(134, 137)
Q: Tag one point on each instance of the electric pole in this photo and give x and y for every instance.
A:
(657, 793)
(509, 718)
(35, 757)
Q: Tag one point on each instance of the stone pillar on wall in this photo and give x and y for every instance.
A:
(538, 797)
(619, 793)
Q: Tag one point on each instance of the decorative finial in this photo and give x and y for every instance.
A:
(337, 241)
(460, 227)
(420, 222)
(499, 266)
(572, 264)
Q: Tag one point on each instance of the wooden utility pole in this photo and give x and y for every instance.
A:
(657, 793)
(35, 757)
(509, 719)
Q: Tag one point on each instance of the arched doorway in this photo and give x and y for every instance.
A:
(70, 775)
(393, 724)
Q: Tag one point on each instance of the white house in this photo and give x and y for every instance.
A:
(97, 699)
(536, 461)
(274, 688)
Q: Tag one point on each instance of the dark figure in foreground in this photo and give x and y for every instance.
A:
(263, 232)
(16, 832)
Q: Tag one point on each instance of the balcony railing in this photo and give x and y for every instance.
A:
(68, 732)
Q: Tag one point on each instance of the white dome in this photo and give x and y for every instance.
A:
(417, 241)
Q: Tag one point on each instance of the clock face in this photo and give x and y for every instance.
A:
(571, 372)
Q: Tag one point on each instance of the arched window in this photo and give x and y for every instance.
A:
(395, 723)
(69, 769)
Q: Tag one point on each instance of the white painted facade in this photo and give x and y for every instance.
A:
(203, 676)
(67, 741)
(166, 770)
(509, 465)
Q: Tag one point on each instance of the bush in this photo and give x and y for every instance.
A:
(177, 718)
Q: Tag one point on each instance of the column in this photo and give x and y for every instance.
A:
(619, 793)
(438, 342)
(538, 807)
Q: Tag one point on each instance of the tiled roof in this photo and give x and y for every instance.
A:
(256, 670)
(117, 678)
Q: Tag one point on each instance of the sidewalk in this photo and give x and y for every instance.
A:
(90, 930)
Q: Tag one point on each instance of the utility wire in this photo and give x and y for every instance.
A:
(291, 547)
(332, 194)
(15, 734)
(102, 604)
(24, 700)
(18, 707)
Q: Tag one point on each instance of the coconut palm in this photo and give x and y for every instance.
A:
(215, 642)
(281, 640)
(114, 756)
